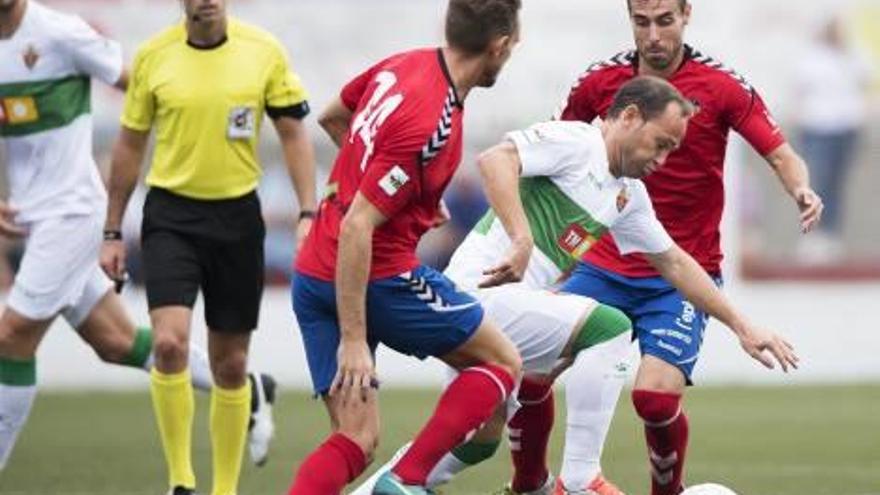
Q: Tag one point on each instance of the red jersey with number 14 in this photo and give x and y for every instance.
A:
(688, 191)
(402, 148)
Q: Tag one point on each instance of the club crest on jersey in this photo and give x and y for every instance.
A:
(622, 199)
(576, 240)
(30, 57)
(393, 180)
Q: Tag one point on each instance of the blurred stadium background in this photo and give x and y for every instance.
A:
(814, 431)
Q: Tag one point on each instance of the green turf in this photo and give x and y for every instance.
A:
(761, 441)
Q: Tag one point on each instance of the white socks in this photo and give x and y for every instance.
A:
(15, 406)
(592, 387)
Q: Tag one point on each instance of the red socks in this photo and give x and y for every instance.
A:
(329, 468)
(530, 434)
(666, 431)
(466, 404)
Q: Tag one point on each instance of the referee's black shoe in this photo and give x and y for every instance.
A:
(181, 490)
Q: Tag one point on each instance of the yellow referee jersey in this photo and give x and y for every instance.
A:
(207, 105)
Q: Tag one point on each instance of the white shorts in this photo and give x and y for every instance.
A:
(540, 323)
(59, 273)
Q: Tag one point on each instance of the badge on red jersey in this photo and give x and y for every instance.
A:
(393, 180)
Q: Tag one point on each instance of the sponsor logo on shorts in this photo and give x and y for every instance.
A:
(395, 179)
(675, 334)
(669, 347)
(688, 313)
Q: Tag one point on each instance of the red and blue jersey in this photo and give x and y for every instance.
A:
(402, 148)
(688, 191)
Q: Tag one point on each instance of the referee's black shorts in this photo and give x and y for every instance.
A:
(215, 245)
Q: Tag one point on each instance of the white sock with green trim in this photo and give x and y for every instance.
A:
(18, 387)
(592, 387)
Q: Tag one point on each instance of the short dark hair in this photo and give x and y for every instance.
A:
(651, 95)
(681, 5)
(472, 24)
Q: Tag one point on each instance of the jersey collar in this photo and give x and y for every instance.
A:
(445, 69)
(688, 55)
(212, 46)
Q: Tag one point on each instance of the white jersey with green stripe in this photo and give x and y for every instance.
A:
(45, 113)
(571, 199)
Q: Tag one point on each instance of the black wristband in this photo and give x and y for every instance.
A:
(112, 235)
(306, 214)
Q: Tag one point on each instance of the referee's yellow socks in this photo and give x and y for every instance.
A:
(174, 405)
(230, 412)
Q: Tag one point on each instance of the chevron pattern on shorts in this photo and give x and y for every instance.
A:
(423, 291)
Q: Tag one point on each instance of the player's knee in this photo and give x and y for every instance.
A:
(656, 407)
(230, 369)
(604, 324)
(510, 360)
(170, 349)
(17, 341)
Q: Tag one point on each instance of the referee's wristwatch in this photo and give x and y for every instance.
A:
(112, 235)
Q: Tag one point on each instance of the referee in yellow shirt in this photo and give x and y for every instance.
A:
(203, 86)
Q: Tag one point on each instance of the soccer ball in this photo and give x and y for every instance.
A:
(708, 489)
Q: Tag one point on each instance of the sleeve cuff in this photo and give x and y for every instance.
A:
(297, 111)
(135, 126)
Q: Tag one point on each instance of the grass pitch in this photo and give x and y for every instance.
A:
(759, 441)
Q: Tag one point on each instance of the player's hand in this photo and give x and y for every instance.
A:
(303, 227)
(765, 347)
(442, 217)
(355, 366)
(513, 267)
(112, 259)
(353, 408)
(810, 206)
(8, 227)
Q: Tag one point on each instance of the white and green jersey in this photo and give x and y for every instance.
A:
(45, 112)
(571, 200)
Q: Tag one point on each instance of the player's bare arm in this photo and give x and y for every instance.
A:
(125, 167)
(299, 157)
(335, 120)
(686, 275)
(122, 82)
(355, 363)
(8, 228)
(793, 174)
(500, 168)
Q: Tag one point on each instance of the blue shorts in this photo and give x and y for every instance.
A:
(667, 325)
(420, 313)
